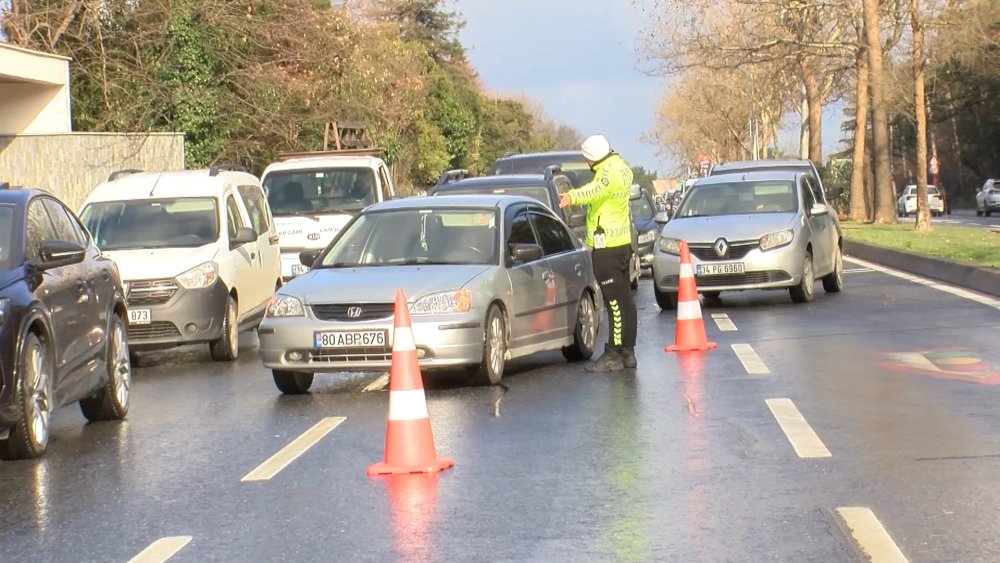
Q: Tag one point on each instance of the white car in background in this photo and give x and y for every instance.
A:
(197, 251)
(907, 202)
(988, 198)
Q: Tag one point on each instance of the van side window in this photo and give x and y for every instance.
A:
(253, 198)
(233, 216)
(383, 179)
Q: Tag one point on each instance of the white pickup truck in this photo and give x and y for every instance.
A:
(313, 195)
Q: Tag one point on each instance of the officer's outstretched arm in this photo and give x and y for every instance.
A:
(596, 190)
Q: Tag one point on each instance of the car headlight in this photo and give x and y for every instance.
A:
(4, 305)
(202, 275)
(670, 246)
(444, 302)
(285, 306)
(776, 239)
(648, 236)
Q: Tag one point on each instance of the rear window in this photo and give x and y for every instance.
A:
(6, 236)
(152, 223)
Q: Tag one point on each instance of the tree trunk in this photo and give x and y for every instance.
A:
(959, 166)
(859, 200)
(884, 201)
(920, 105)
(814, 107)
(803, 124)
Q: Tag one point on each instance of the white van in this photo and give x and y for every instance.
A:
(197, 251)
(313, 195)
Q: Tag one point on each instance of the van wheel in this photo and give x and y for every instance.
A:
(111, 403)
(32, 401)
(292, 382)
(490, 369)
(227, 348)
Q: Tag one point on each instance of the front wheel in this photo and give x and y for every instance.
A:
(32, 401)
(585, 333)
(834, 281)
(803, 293)
(292, 382)
(227, 348)
(667, 300)
(490, 369)
(111, 403)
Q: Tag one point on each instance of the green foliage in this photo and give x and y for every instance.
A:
(643, 177)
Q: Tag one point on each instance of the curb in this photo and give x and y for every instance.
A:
(983, 280)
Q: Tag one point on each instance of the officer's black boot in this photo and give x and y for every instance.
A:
(610, 360)
(628, 357)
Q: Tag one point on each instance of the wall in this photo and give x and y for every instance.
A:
(71, 165)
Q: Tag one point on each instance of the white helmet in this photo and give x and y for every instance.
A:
(595, 148)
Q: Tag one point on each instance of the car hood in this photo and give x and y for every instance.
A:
(10, 276)
(730, 227)
(158, 263)
(379, 284)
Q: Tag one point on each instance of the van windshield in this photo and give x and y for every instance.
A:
(310, 192)
(152, 223)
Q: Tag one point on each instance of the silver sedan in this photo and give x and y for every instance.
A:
(760, 230)
(488, 279)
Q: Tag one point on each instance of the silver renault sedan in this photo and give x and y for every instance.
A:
(488, 278)
(759, 230)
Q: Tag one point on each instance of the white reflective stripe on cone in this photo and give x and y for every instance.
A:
(688, 310)
(407, 405)
(402, 340)
(687, 271)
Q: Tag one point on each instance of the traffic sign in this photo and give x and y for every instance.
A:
(935, 166)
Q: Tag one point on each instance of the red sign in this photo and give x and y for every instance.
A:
(934, 166)
(703, 159)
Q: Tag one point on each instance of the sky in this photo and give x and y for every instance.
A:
(581, 60)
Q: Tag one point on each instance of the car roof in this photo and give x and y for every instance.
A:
(578, 155)
(322, 162)
(454, 201)
(756, 176)
(722, 167)
(19, 196)
(494, 181)
(175, 183)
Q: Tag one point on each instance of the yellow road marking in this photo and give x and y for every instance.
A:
(723, 321)
(871, 535)
(292, 451)
(805, 441)
(161, 550)
(749, 358)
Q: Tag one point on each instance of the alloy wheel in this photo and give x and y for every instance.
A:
(36, 388)
(588, 322)
(121, 370)
(496, 344)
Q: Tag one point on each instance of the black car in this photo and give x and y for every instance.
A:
(572, 164)
(643, 213)
(62, 322)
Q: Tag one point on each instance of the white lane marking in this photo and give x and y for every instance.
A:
(723, 321)
(805, 441)
(407, 405)
(940, 286)
(871, 535)
(858, 270)
(292, 451)
(749, 358)
(161, 550)
(377, 385)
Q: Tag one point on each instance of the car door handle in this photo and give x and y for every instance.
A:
(273, 240)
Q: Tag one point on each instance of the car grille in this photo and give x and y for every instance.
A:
(150, 292)
(737, 250)
(345, 355)
(749, 278)
(156, 329)
(353, 312)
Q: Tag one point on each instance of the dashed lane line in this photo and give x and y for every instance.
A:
(940, 286)
(803, 438)
(161, 550)
(870, 535)
(292, 451)
(858, 270)
(750, 360)
(377, 385)
(723, 321)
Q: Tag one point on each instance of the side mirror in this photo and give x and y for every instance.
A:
(308, 257)
(635, 192)
(819, 209)
(522, 253)
(58, 253)
(243, 236)
(661, 217)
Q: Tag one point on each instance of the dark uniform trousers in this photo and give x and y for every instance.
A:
(611, 268)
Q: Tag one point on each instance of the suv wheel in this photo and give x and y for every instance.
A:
(227, 348)
(111, 403)
(32, 401)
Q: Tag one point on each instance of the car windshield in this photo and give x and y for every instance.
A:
(417, 236)
(152, 223)
(541, 193)
(6, 236)
(641, 209)
(931, 190)
(739, 198)
(578, 171)
(311, 192)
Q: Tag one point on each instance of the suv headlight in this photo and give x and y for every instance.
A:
(285, 306)
(202, 275)
(648, 236)
(776, 239)
(670, 246)
(444, 302)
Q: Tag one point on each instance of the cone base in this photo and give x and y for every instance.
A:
(691, 348)
(383, 468)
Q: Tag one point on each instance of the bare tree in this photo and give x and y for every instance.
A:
(920, 107)
(884, 201)
(859, 201)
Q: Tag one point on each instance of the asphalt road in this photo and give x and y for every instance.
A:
(962, 218)
(864, 422)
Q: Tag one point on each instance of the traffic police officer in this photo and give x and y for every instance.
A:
(609, 233)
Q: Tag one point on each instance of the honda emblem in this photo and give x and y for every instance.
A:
(354, 312)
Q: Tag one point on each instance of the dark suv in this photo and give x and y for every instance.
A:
(62, 322)
(570, 163)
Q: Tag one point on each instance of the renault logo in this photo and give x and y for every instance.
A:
(313, 236)
(721, 247)
(354, 312)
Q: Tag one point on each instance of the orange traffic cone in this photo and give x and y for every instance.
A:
(690, 334)
(409, 442)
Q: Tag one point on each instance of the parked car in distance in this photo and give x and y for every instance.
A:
(789, 165)
(62, 323)
(755, 230)
(907, 202)
(488, 278)
(197, 251)
(988, 198)
(643, 218)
